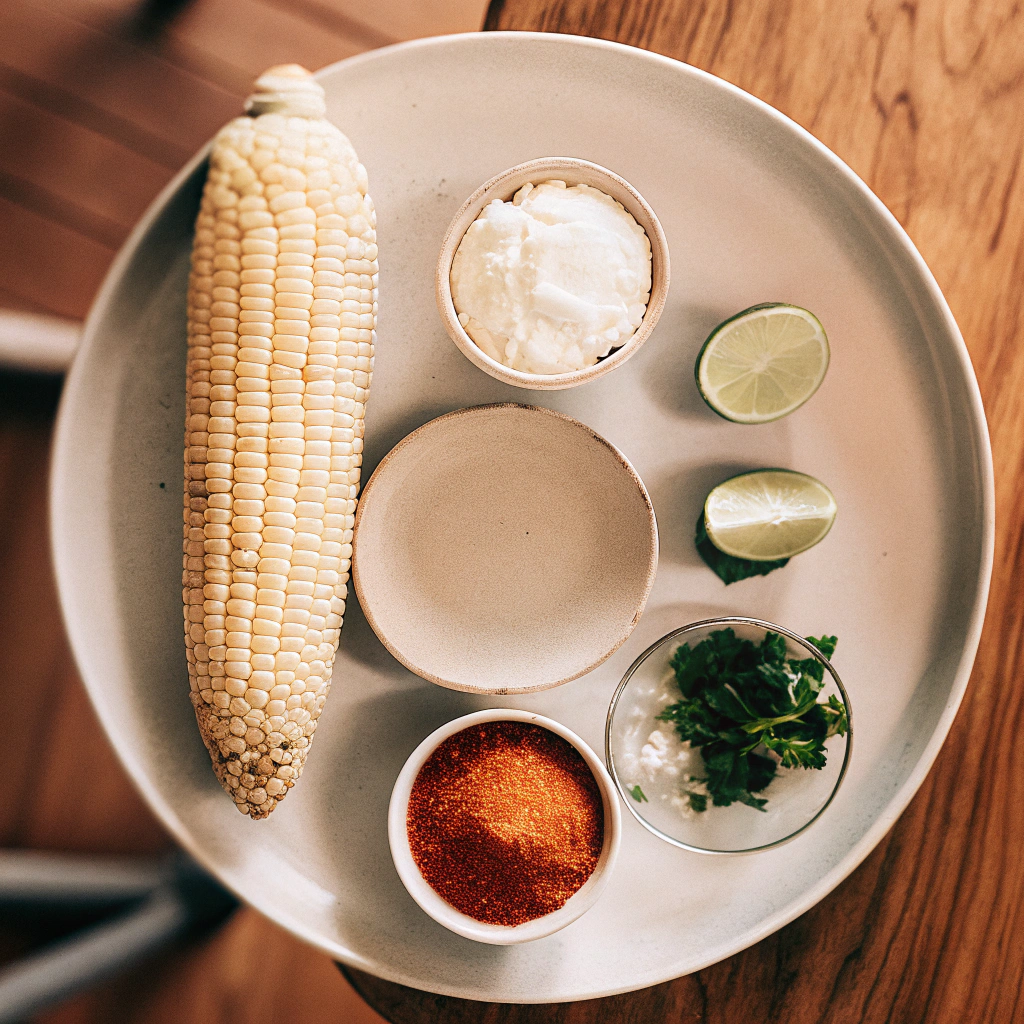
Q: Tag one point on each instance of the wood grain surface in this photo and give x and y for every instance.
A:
(925, 100)
(98, 107)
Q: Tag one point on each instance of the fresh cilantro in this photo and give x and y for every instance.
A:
(744, 702)
(638, 795)
(729, 568)
(698, 801)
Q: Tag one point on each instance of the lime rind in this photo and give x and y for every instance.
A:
(762, 363)
(768, 514)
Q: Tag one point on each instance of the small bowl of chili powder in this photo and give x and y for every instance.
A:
(504, 826)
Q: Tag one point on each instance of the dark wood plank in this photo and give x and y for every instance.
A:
(41, 168)
(105, 81)
(924, 100)
(227, 42)
(397, 19)
(52, 266)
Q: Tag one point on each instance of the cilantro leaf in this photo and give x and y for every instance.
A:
(825, 644)
(811, 666)
(638, 795)
(729, 568)
(835, 715)
(749, 708)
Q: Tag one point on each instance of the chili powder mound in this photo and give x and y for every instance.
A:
(505, 821)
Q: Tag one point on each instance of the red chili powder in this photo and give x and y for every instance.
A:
(505, 821)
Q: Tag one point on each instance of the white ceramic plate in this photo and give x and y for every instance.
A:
(754, 210)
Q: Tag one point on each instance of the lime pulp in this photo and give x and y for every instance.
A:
(768, 514)
(763, 363)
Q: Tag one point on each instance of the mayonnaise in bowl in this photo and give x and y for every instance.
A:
(554, 280)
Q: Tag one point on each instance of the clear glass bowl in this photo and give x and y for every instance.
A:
(796, 797)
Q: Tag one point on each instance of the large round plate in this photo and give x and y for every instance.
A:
(754, 209)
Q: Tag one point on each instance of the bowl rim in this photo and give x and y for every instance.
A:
(366, 606)
(444, 913)
(500, 187)
(727, 620)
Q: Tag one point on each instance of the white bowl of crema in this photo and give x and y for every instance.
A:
(552, 273)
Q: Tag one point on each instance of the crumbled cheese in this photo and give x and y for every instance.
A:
(554, 280)
(663, 753)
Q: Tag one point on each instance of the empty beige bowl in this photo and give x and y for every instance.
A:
(504, 186)
(504, 549)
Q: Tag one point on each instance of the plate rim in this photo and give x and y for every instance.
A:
(60, 525)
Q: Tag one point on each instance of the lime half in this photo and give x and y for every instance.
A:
(762, 363)
(768, 514)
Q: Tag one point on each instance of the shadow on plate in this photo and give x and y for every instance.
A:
(678, 499)
(670, 357)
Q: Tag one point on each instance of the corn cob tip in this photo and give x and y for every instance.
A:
(287, 89)
(287, 71)
(265, 790)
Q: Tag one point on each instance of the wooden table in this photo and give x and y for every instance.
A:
(926, 102)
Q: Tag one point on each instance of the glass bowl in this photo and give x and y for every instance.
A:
(796, 797)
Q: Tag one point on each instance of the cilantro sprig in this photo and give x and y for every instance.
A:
(729, 568)
(742, 702)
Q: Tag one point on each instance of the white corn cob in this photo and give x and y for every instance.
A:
(282, 307)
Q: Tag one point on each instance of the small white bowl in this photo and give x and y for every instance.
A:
(504, 186)
(444, 913)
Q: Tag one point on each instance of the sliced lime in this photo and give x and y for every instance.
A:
(768, 514)
(762, 363)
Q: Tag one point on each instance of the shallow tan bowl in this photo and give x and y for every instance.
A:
(504, 549)
(504, 186)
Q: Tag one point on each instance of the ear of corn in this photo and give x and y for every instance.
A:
(282, 307)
